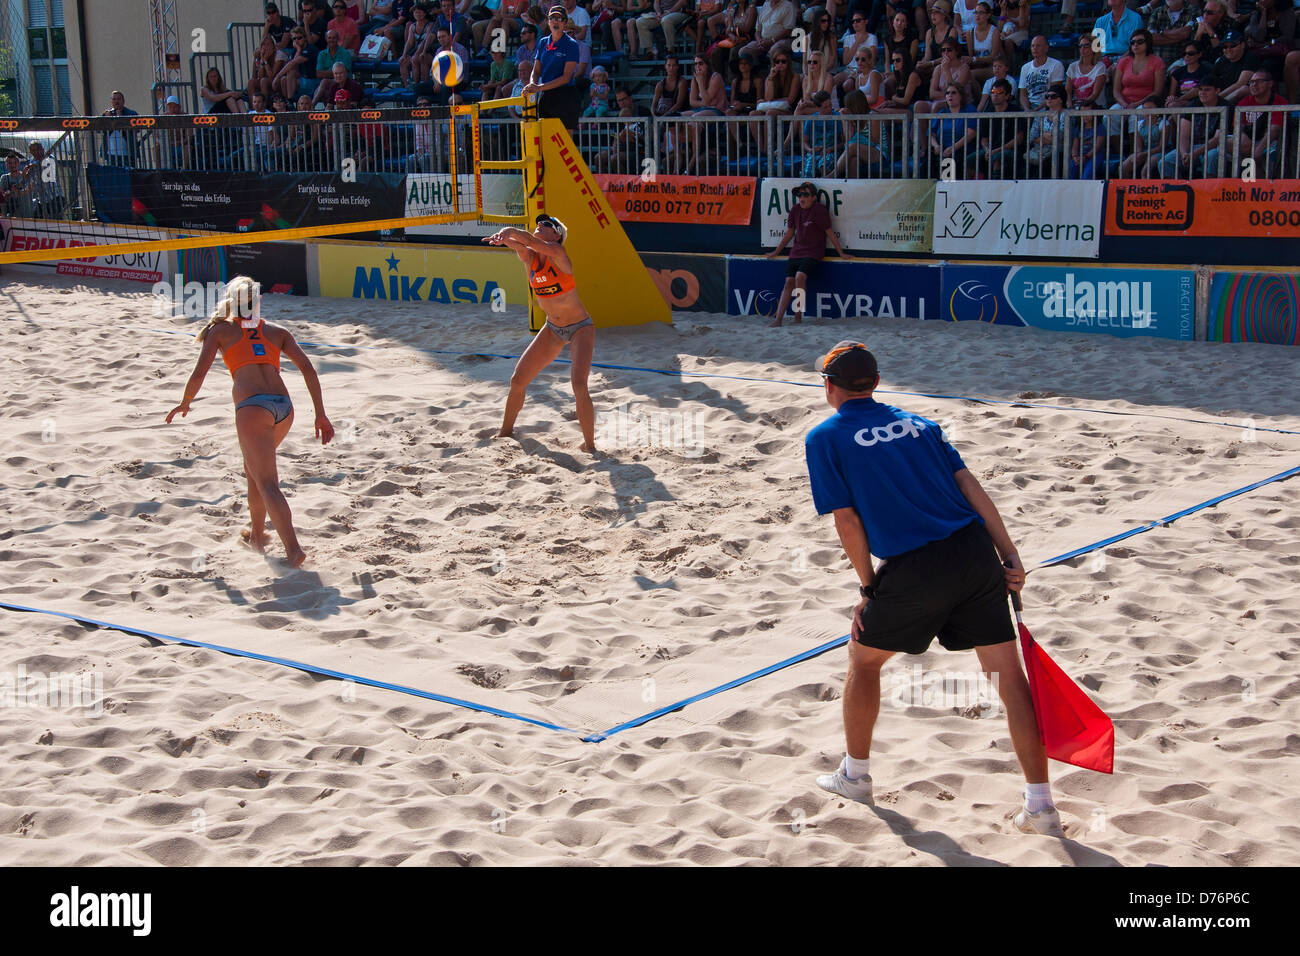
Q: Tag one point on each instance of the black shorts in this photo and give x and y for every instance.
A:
(563, 103)
(953, 589)
(806, 266)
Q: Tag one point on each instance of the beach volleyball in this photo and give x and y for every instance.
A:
(448, 68)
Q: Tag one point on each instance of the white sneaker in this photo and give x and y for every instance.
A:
(839, 782)
(1046, 822)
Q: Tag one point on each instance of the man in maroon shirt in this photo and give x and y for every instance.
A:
(809, 225)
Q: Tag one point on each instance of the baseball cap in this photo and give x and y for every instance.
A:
(850, 366)
(558, 226)
(1208, 81)
(557, 12)
(172, 99)
(944, 5)
(341, 95)
(1232, 36)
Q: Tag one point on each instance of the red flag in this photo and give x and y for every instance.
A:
(1074, 730)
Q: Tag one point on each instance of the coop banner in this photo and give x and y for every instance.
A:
(893, 216)
(1215, 208)
(251, 202)
(836, 289)
(689, 283)
(430, 194)
(696, 200)
(1255, 307)
(1059, 220)
(1123, 302)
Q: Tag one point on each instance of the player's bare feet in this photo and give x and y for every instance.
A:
(257, 543)
(798, 320)
(589, 449)
(297, 558)
(775, 325)
(506, 433)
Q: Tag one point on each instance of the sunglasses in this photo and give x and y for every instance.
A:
(806, 195)
(1052, 96)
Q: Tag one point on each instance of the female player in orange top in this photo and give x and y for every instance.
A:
(251, 349)
(550, 276)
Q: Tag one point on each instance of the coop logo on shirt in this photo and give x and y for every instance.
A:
(880, 434)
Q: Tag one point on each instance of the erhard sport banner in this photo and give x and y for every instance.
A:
(26, 234)
(867, 215)
(1060, 220)
(697, 200)
(1216, 208)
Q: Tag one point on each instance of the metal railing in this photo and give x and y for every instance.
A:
(1269, 137)
(182, 90)
(243, 40)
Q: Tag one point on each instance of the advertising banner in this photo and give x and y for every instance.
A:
(429, 194)
(1255, 307)
(251, 202)
(280, 267)
(697, 200)
(490, 278)
(690, 283)
(1022, 218)
(838, 289)
(889, 215)
(1123, 302)
(24, 234)
(1219, 208)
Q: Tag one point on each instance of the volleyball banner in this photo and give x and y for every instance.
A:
(886, 215)
(836, 289)
(1255, 307)
(1124, 302)
(694, 200)
(1211, 208)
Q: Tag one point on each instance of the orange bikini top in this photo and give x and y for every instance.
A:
(252, 348)
(547, 281)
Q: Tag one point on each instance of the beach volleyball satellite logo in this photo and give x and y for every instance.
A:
(765, 303)
(973, 301)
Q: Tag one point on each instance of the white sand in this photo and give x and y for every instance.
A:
(528, 576)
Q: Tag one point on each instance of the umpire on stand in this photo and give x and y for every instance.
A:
(554, 72)
(899, 490)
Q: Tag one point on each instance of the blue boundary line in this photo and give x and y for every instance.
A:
(662, 711)
(296, 665)
(739, 681)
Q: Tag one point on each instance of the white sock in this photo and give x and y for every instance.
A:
(1038, 796)
(856, 769)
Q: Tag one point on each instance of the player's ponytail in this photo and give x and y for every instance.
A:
(243, 299)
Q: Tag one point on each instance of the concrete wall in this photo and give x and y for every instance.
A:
(118, 42)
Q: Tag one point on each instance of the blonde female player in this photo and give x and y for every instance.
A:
(251, 347)
(550, 276)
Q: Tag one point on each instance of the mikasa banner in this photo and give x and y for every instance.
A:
(1058, 220)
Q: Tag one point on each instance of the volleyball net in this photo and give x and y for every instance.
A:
(113, 186)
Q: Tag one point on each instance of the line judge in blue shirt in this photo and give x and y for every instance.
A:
(554, 70)
(899, 490)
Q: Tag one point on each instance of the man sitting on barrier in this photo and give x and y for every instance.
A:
(809, 225)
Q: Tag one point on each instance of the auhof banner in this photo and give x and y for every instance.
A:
(429, 194)
(1123, 302)
(1051, 219)
(887, 215)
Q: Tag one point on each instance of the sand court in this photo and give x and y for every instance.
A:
(584, 591)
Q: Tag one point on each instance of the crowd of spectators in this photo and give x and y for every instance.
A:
(987, 98)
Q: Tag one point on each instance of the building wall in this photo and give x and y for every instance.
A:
(118, 37)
